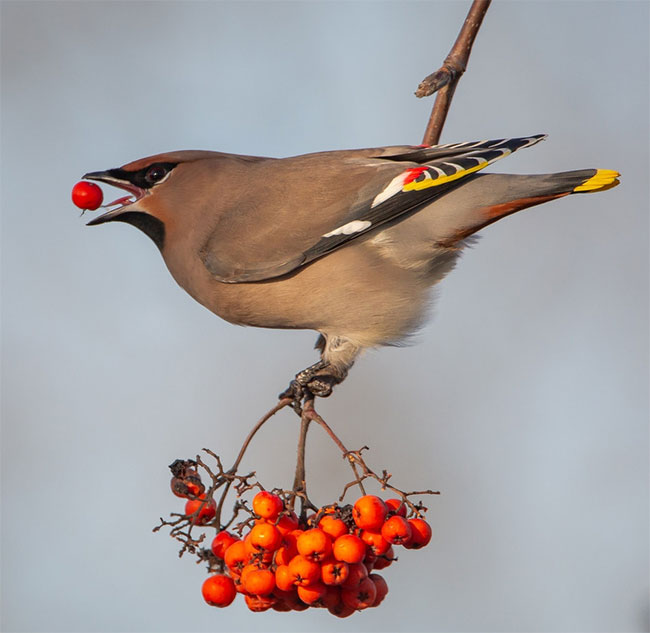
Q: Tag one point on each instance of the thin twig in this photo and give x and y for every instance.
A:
(280, 405)
(299, 480)
(445, 79)
(310, 412)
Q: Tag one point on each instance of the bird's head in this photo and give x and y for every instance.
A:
(157, 186)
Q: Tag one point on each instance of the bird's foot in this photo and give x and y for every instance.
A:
(317, 380)
(296, 392)
(322, 385)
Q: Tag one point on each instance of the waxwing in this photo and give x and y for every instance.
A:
(347, 243)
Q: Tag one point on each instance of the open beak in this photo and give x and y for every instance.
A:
(125, 202)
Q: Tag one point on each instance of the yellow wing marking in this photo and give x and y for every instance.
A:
(434, 182)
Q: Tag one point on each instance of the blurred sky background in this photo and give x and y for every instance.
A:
(525, 400)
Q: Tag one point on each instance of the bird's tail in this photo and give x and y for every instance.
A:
(527, 191)
(487, 198)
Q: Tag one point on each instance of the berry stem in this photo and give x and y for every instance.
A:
(233, 469)
(299, 480)
(310, 413)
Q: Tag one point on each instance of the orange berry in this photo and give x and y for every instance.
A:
(360, 597)
(218, 590)
(265, 536)
(311, 593)
(334, 572)
(376, 543)
(397, 530)
(349, 548)
(255, 553)
(356, 573)
(332, 526)
(287, 523)
(260, 582)
(314, 544)
(236, 556)
(420, 534)
(304, 571)
(369, 512)
(267, 505)
(205, 510)
(284, 578)
(247, 569)
(286, 551)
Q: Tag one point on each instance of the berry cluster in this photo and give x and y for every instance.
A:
(327, 560)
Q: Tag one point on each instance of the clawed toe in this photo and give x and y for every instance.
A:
(317, 380)
(322, 386)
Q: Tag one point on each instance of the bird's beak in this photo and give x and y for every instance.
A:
(126, 202)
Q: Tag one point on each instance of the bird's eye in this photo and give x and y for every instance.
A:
(155, 174)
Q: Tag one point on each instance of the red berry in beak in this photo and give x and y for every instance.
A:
(87, 195)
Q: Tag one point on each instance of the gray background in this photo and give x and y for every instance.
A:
(525, 400)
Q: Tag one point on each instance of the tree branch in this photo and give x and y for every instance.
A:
(446, 78)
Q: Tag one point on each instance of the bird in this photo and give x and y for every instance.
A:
(348, 243)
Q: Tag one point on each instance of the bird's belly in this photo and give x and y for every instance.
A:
(353, 292)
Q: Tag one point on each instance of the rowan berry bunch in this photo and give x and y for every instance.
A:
(285, 560)
(328, 560)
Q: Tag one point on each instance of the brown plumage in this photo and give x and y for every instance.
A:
(346, 243)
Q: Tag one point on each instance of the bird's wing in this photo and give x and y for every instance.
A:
(299, 209)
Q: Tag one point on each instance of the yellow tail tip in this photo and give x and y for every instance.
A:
(601, 180)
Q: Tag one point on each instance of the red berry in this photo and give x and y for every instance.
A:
(376, 543)
(206, 509)
(333, 526)
(369, 513)
(222, 541)
(360, 597)
(384, 560)
(259, 582)
(267, 505)
(396, 506)
(397, 530)
(420, 534)
(311, 593)
(219, 590)
(381, 586)
(265, 536)
(349, 548)
(87, 195)
(287, 523)
(314, 544)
